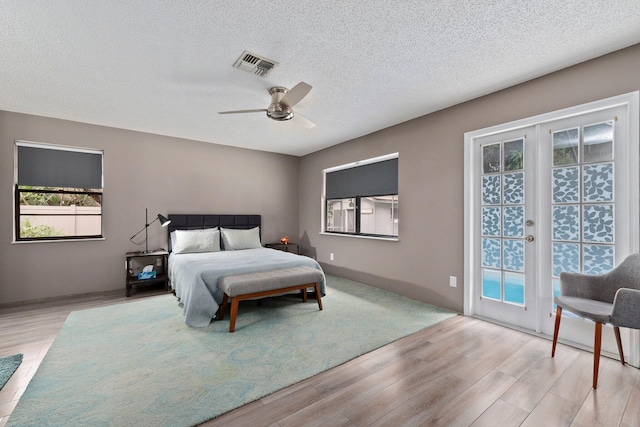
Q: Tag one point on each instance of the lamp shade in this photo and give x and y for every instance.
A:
(163, 220)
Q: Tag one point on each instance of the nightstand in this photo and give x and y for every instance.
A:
(289, 247)
(136, 262)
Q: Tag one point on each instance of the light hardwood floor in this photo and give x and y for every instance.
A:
(461, 372)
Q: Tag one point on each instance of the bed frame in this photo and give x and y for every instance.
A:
(202, 221)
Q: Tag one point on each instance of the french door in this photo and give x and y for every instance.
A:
(506, 200)
(557, 192)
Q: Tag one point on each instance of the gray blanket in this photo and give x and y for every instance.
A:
(194, 277)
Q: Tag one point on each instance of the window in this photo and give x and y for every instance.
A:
(362, 198)
(58, 192)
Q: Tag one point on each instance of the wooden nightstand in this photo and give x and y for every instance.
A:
(289, 247)
(137, 260)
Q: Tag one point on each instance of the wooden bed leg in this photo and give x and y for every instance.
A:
(234, 314)
(318, 295)
(223, 307)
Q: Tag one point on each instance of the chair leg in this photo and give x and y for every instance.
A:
(556, 329)
(596, 354)
(619, 341)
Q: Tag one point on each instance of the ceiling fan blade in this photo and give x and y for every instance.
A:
(262, 110)
(301, 120)
(295, 94)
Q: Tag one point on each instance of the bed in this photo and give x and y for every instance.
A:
(204, 248)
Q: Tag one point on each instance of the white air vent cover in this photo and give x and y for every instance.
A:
(255, 64)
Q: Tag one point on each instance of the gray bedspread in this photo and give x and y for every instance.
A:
(194, 277)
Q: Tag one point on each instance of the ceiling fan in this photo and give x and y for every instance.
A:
(282, 101)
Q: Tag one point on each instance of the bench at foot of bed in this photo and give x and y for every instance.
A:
(265, 283)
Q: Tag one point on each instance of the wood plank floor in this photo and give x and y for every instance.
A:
(461, 372)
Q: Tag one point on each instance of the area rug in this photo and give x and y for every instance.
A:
(139, 364)
(8, 366)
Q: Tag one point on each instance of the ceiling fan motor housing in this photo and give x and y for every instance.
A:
(276, 110)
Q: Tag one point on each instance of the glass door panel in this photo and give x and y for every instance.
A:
(582, 201)
(503, 221)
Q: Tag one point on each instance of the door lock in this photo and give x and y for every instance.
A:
(529, 238)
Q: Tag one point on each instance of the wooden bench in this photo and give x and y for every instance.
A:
(265, 283)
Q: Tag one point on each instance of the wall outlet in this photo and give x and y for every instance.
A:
(331, 256)
(453, 281)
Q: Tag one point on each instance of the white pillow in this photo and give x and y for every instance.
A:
(190, 241)
(241, 239)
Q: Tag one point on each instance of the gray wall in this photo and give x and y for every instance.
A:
(431, 179)
(170, 175)
(166, 175)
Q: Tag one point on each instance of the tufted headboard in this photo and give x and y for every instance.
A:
(202, 221)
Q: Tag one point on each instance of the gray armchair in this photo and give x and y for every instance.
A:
(612, 298)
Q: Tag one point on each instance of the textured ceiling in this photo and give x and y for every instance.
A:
(165, 67)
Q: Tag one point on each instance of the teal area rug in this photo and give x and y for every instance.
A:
(8, 366)
(139, 364)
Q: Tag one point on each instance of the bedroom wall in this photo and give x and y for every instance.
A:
(166, 175)
(431, 174)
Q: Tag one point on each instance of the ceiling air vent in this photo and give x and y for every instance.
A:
(255, 64)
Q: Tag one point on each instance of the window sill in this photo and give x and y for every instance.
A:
(358, 236)
(21, 242)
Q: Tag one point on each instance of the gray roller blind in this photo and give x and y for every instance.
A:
(374, 179)
(49, 167)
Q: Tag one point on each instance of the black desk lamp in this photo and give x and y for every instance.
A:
(163, 222)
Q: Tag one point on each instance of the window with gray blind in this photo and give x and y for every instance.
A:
(362, 198)
(58, 192)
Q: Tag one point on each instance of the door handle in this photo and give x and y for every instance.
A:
(529, 238)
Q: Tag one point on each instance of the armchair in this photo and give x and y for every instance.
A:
(612, 298)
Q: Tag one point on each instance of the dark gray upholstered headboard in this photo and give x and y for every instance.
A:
(201, 221)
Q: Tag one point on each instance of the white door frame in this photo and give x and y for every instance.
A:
(632, 104)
